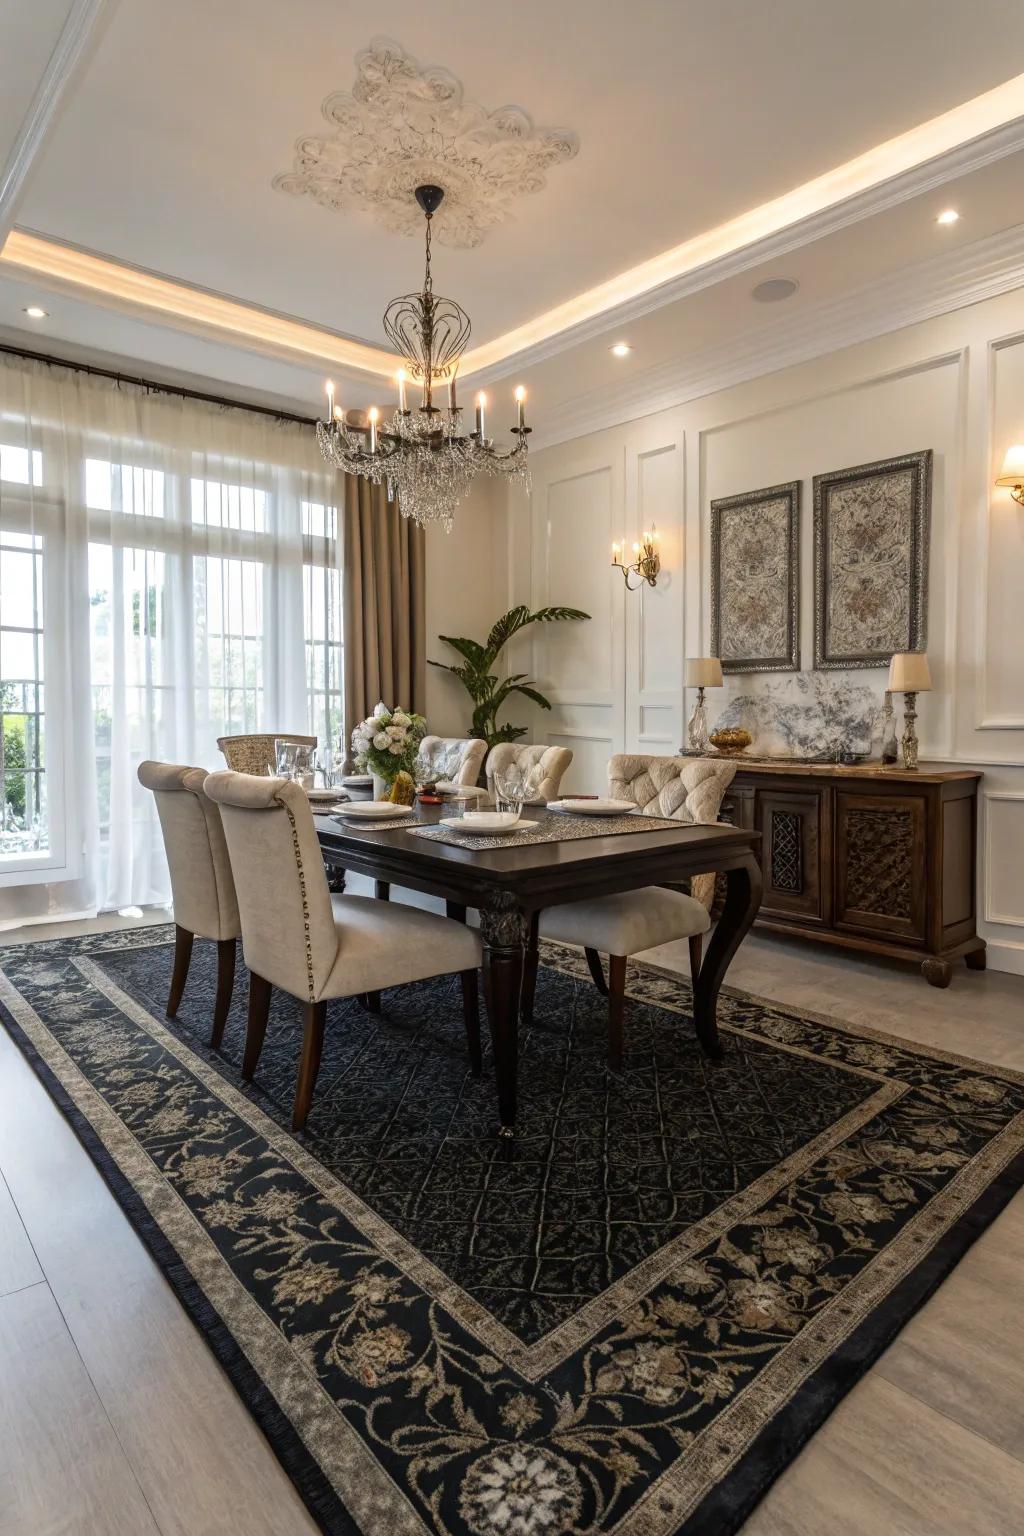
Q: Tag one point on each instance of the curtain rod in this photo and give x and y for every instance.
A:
(154, 386)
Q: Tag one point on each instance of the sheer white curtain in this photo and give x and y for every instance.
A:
(169, 573)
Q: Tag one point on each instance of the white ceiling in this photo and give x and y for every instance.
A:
(688, 112)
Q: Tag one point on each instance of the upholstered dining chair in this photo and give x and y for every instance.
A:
(435, 749)
(202, 888)
(315, 946)
(679, 789)
(257, 753)
(552, 761)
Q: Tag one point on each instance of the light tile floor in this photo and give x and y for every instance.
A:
(115, 1420)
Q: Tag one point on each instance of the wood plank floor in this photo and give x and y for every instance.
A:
(115, 1420)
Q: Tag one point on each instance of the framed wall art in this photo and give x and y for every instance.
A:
(755, 580)
(871, 529)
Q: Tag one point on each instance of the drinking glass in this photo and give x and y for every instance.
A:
(284, 753)
(304, 766)
(510, 791)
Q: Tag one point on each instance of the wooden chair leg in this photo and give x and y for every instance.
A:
(256, 1026)
(594, 961)
(471, 1015)
(182, 955)
(382, 890)
(530, 964)
(226, 951)
(315, 1017)
(370, 1001)
(456, 911)
(616, 1007)
(696, 951)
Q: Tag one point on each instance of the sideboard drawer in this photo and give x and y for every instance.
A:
(881, 863)
(791, 827)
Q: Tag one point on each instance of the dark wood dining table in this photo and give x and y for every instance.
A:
(510, 886)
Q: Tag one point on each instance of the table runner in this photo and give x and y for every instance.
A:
(558, 827)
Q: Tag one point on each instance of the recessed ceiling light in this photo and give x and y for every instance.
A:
(947, 216)
(774, 289)
(35, 312)
(621, 349)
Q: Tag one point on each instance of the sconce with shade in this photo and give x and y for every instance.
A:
(701, 672)
(910, 675)
(646, 560)
(1011, 476)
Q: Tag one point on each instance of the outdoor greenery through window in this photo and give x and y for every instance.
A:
(169, 574)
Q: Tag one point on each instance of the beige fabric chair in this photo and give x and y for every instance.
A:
(202, 889)
(689, 789)
(298, 937)
(434, 749)
(553, 762)
(255, 754)
(678, 788)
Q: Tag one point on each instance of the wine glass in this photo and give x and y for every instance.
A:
(510, 791)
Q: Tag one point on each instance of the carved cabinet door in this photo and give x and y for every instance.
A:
(792, 836)
(881, 863)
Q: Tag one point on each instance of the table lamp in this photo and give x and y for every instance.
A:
(701, 672)
(909, 675)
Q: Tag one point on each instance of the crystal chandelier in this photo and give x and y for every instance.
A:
(423, 455)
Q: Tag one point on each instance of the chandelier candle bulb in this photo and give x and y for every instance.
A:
(330, 400)
(374, 414)
(400, 378)
(481, 405)
(452, 402)
(521, 404)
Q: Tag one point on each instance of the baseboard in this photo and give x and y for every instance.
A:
(1005, 955)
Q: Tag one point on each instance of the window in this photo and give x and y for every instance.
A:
(23, 822)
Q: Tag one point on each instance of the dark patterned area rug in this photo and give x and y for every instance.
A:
(631, 1326)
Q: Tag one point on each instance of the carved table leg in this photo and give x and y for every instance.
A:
(335, 878)
(975, 959)
(505, 930)
(742, 899)
(937, 973)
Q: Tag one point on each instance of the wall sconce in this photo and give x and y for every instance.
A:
(1012, 474)
(646, 562)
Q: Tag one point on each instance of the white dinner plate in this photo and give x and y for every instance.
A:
(357, 780)
(324, 796)
(486, 823)
(592, 807)
(373, 810)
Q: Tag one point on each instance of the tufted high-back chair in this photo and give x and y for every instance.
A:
(553, 762)
(688, 789)
(202, 888)
(434, 749)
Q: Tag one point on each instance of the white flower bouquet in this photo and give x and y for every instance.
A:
(388, 741)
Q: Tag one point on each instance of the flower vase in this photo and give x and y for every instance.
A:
(381, 787)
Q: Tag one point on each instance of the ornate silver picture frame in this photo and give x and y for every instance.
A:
(755, 580)
(871, 529)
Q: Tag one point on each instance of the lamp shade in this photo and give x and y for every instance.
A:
(908, 673)
(703, 672)
(1012, 472)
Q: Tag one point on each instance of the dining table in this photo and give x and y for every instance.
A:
(510, 883)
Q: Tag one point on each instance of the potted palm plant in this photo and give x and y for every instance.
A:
(476, 671)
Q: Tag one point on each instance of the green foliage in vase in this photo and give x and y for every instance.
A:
(476, 672)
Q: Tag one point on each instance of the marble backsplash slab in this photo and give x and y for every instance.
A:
(806, 714)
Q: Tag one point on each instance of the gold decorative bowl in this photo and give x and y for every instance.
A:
(731, 740)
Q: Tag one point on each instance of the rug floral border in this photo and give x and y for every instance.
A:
(726, 1466)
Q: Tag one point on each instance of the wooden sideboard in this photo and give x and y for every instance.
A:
(867, 857)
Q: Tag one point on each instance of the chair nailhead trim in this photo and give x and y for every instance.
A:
(305, 900)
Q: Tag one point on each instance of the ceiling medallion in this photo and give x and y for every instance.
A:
(423, 456)
(403, 126)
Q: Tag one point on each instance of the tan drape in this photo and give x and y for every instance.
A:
(383, 603)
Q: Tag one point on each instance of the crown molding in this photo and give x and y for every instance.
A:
(146, 295)
(742, 247)
(930, 288)
(78, 28)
